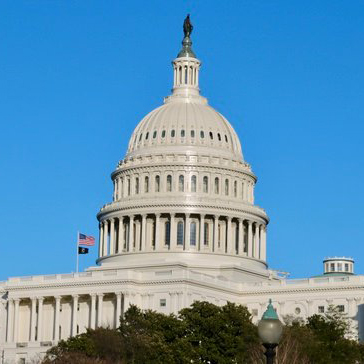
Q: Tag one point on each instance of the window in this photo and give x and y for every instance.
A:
(340, 308)
(169, 183)
(192, 133)
(242, 190)
(235, 189)
(226, 187)
(147, 136)
(226, 139)
(321, 309)
(206, 233)
(180, 233)
(205, 184)
(219, 236)
(181, 183)
(183, 133)
(136, 185)
(346, 267)
(141, 136)
(332, 265)
(154, 134)
(216, 185)
(219, 137)
(157, 183)
(193, 233)
(173, 133)
(211, 135)
(163, 134)
(128, 186)
(167, 233)
(146, 184)
(297, 310)
(162, 302)
(193, 184)
(202, 134)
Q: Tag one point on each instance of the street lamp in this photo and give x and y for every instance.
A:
(270, 330)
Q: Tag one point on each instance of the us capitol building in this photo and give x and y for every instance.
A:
(182, 226)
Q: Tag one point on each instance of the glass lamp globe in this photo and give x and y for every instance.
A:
(270, 327)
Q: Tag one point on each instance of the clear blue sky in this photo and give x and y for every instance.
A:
(77, 76)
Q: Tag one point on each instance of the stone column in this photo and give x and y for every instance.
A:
(309, 308)
(112, 236)
(10, 333)
(16, 319)
(173, 237)
(101, 238)
(172, 297)
(158, 243)
(281, 308)
(131, 233)
(187, 232)
(100, 298)
(250, 239)
(229, 236)
(144, 232)
(126, 301)
(120, 188)
(118, 308)
(150, 301)
(40, 319)
(104, 240)
(33, 316)
(241, 237)
(57, 307)
(216, 233)
(74, 314)
(121, 235)
(93, 311)
(202, 232)
(263, 243)
(256, 241)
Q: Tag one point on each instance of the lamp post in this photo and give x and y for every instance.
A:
(270, 330)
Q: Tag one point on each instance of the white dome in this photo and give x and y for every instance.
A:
(181, 123)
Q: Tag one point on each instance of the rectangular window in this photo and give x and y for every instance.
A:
(332, 267)
(341, 308)
(162, 302)
(346, 267)
(321, 309)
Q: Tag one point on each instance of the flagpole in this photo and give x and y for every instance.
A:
(77, 251)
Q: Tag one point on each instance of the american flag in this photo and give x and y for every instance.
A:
(86, 240)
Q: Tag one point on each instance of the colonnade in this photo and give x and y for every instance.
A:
(182, 232)
(35, 331)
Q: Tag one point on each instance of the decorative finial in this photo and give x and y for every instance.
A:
(270, 312)
(186, 50)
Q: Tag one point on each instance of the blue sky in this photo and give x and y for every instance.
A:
(77, 76)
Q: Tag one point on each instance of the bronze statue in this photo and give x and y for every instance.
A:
(187, 26)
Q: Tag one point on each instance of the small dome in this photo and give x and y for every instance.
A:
(181, 123)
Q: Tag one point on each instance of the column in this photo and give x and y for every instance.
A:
(112, 236)
(309, 308)
(16, 319)
(121, 235)
(281, 308)
(144, 232)
(263, 243)
(101, 238)
(202, 232)
(33, 318)
(172, 297)
(173, 232)
(250, 239)
(131, 233)
(40, 319)
(118, 309)
(351, 307)
(216, 233)
(158, 243)
(10, 332)
(57, 307)
(187, 232)
(256, 241)
(144, 300)
(104, 241)
(93, 311)
(126, 301)
(229, 236)
(241, 237)
(120, 188)
(150, 301)
(100, 297)
(74, 314)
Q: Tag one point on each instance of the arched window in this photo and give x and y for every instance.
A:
(146, 184)
(154, 134)
(226, 139)
(192, 133)
(163, 134)
(181, 183)
(169, 183)
(136, 185)
(141, 136)
(193, 183)
(206, 233)
(173, 133)
(219, 137)
(242, 190)
(185, 75)
(167, 233)
(205, 184)
(211, 135)
(129, 190)
(235, 189)
(217, 185)
(157, 183)
(180, 233)
(183, 133)
(193, 233)
(202, 134)
(226, 187)
(147, 136)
